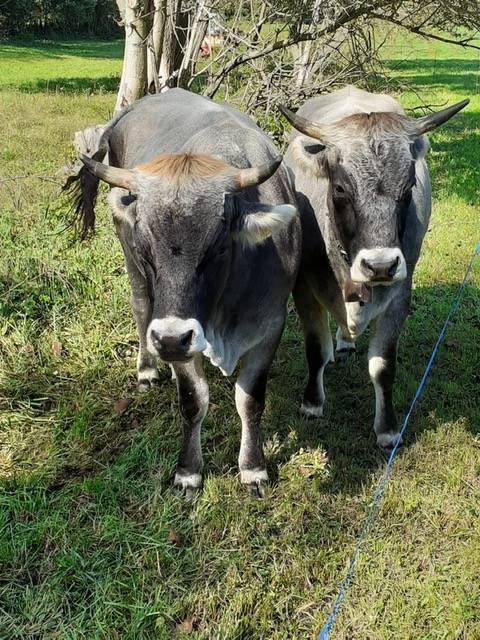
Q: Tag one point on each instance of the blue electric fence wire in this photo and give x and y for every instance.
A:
(380, 490)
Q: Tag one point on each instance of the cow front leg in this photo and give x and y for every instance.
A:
(250, 392)
(192, 390)
(147, 371)
(382, 361)
(318, 349)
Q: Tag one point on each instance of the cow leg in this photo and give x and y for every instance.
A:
(192, 390)
(318, 349)
(250, 391)
(382, 359)
(345, 346)
(147, 371)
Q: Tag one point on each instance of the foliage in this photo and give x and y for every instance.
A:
(73, 17)
(277, 51)
(86, 507)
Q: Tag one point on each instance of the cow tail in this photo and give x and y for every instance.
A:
(81, 189)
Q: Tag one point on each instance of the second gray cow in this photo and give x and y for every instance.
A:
(363, 191)
(202, 208)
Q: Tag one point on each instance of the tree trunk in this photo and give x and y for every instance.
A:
(196, 33)
(174, 38)
(133, 84)
(302, 63)
(156, 41)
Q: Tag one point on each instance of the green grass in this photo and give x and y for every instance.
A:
(86, 506)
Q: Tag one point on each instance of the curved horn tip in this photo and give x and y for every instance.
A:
(436, 119)
(285, 111)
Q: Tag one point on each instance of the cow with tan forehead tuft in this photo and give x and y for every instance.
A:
(203, 209)
(363, 192)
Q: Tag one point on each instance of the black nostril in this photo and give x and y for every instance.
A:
(367, 267)
(393, 267)
(186, 338)
(155, 339)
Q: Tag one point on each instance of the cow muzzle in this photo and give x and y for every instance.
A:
(380, 266)
(175, 339)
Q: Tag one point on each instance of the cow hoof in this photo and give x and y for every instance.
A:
(187, 485)
(257, 490)
(387, 441)
(256, 479)
(147, 378)
(343, 354)
(311, 411)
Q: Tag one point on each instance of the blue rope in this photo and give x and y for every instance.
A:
(380, 490)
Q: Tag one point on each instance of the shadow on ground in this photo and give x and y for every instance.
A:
(345, 432)
(457, 74)
(24, 50)
(72, 85)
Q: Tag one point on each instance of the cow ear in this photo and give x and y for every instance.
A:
(310, 154)
(257, 222)
(419, 147)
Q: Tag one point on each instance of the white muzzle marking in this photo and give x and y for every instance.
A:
(379, 255)
(175, 327)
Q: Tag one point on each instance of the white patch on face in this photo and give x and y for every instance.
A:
(172, 326)
(375, 257)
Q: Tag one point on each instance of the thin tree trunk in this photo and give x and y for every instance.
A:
(302, 64)
(133, 84)
(156, 41)
(196, 33)
(174, 38)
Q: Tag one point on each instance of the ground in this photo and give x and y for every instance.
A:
(93, 543)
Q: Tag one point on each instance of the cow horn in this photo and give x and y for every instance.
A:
(434, 120)
(252, 176)
(114, 176)
(302, 124)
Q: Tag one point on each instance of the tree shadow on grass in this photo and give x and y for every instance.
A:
(24, 50)
(115, 481)
(346, 430)
(71, 85)
(453, 160)
(456, 74)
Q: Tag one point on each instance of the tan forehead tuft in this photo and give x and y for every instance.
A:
(375, 121)
(184, 167)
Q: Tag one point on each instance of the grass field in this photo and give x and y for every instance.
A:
(94, 545)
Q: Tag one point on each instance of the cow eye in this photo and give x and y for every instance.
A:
(339, 190)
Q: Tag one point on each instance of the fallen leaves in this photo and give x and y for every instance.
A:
(57, 348)
(186, 626)
(121, 405)
(174, 538)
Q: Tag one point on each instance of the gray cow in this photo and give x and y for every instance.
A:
(202, 208)
(363, 192)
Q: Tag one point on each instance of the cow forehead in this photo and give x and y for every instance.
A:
(177, 219)
(373, 161)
